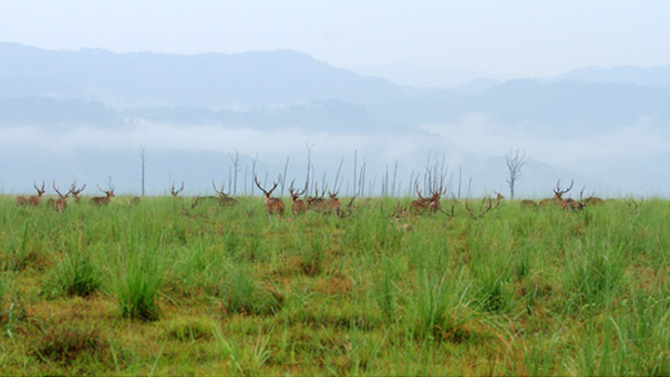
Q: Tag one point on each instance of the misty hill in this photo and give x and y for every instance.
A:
(282, 89)
(653, 76)
(213, 80)
(552, 107)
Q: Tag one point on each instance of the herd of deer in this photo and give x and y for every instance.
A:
(299, 206)
(332, 204)
(566, 204)
(61, 203)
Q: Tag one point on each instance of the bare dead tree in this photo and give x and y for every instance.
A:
(514, 161)
(285, 174)
(354, 185)
(143, 156)
(253, 171)
(236, 169)
(309, 163)
(336, 184)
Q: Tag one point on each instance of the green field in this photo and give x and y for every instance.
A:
(158, 289)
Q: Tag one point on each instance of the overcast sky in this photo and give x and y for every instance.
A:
(516, 38)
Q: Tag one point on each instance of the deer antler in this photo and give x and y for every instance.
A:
(485, 208)
(419, 193)
(267, 193)
(295, 193)
(74, 190)
(58, 192)
(558, 191)
(174, 190)
(220, 192)
(39, 190)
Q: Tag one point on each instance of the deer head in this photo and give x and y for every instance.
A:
(558, 192)
(273, 205)
(76, 191)
(174, 190)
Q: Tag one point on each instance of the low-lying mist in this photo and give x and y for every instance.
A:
(470, 153)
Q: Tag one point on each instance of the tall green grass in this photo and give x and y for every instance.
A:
(174, 290)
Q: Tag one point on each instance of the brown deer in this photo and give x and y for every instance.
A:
(21, 200)
(174, 190)
(103, 200)
(61, 203)
(566, 204)
(298, 206)
(431, 203)
(273, 205)
(334, 203)
(571, 204)
(35, 200)
(224, 199)
(316, 202)
(528, 203)
(592, 200)
(557, 199)
(76, 191)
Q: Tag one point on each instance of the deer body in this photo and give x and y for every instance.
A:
(528, 203)
(571, 204)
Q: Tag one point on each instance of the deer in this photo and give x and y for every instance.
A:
(557, 199)
(103, 200)
(528, 203)
(35, 200)
(21, 200)
(174, 190)
(61, 203)
(569, 203)
(431, 203)
(298, 206)
(316, 202)
(76, 191)
(273, 205)
(592, 200)
(223, 198)
(334, 203)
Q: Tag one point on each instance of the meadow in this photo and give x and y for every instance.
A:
(157, 288)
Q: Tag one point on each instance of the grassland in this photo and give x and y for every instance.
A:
(154, 289)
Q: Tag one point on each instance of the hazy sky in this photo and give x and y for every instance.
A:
(500, 38)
